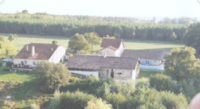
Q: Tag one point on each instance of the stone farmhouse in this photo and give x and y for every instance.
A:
(114, 61)
(34, 53)
(104, 66)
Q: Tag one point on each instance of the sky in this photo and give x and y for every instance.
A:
(145, 9)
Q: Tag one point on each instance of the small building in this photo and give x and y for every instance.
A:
(119, 68)
(112, 47)
(152, 58)
(6, 61)
(34, 53)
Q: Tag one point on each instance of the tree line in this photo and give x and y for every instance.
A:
(67, 26)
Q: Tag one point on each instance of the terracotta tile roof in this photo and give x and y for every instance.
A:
(115, 43)
(42, 51)
(85, 62)
(143, 54)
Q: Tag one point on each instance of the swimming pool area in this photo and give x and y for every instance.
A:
(161, 67)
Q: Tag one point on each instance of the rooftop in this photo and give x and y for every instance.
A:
(86, 62)
(144, 54)
(111, 42)
(42, 51)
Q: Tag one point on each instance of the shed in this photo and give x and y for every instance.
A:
(5, 61)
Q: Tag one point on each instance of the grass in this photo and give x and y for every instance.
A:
(16, 77)
(146, 73)
(130, 44)
(22, 87)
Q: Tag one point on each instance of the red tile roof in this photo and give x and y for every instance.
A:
(42, 51)
(115, 43)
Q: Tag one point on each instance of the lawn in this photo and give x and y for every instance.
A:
(16, 77)
(130, 44)
(146, 73)
(23, 89)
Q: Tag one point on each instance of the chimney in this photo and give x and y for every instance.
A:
(33, 51)
(104, 55)
(27, 48)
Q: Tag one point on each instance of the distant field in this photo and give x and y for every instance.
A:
(130, 44)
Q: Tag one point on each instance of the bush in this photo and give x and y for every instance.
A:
(98, 104)
(142, 83)
(75, 79)
(77, 100)
(52, 76)
(152, 99)
(162, 82)
(35, 106)
(116, 100)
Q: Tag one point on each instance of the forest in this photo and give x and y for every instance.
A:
(67, 26)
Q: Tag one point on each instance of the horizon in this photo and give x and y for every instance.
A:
(102, 8)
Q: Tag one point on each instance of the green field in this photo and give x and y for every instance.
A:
(130, 44)
(146, 73)
(17, 77)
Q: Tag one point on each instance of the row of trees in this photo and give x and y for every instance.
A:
(44, 24)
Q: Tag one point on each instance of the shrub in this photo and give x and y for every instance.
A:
(142, 83)
(54, 103)
(116, 100)
(54, 42)
(52, 75)
(77, 100)
(162, 82)
(35, 106)
(75, 79)
(172, 101)
(152, 99)
(98, 104)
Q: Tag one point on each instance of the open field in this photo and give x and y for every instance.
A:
(130, 44)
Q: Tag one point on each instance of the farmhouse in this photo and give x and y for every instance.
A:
(34, 53)
(112, 47)
(104, 66)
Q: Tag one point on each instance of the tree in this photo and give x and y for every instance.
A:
(52, 75)
(25, 11)
(173, 36)
(98, 104)
(93, 38)
(9, 49)
(192, 37)
(78, 43)
(6, 46)
(108, 37)
(54, 42)
(2, 39)
(182, 64)
(11, 38)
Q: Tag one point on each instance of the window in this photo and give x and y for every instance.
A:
(33, 63)
(25, 61)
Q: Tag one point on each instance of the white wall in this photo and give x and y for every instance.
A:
(86, 73)
(120, 50)
(55, 58)
(57, 55)
(26, 61)
(108, 51)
